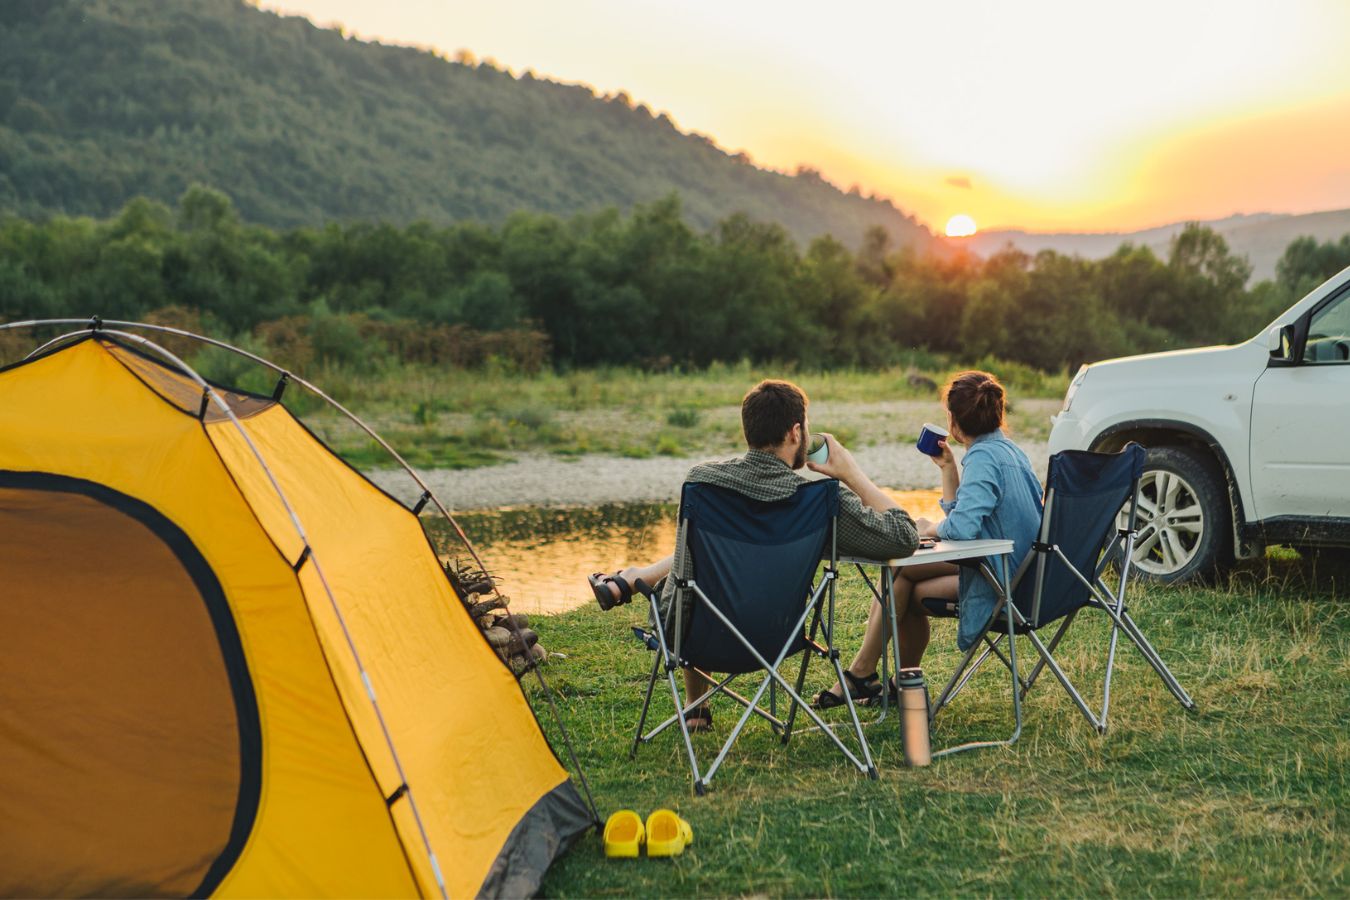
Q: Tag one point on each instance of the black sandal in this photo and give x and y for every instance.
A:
(600, 583)
(862, 690)
(892, 693)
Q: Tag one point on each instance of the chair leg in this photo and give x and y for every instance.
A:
(718, 687)
(1110, 670)
(1054, 642)
(853, 714)
(801, 676)
(770, 670)
(950, 690)
(670, 667)
(1009, 612)
(699, 782)
(801, 680)
(646, 704)
(774, 722)
(1007, 661)
(1063, 679)
(1123, 621)
(1155, 660)
(736, 732)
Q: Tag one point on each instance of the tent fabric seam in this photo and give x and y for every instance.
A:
(318, 640)
(460, 606)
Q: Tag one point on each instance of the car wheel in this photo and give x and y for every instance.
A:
(1183, 519)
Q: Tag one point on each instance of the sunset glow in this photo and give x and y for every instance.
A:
(1061, 117)
(960, 226)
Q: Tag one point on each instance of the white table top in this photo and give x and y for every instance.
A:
(943, 551)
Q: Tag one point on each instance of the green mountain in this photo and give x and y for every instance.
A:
(104, 100)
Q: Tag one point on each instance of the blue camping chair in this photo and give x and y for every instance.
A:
(1064, 573)
(747, 606)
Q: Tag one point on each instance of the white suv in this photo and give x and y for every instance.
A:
(1248, 445)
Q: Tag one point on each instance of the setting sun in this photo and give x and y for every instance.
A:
(960, 226)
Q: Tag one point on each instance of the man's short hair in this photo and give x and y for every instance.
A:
(769, 411)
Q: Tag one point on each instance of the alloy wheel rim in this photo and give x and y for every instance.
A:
(1170, 523)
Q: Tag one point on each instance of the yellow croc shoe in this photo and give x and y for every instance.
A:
(623, 834)
(667, 834)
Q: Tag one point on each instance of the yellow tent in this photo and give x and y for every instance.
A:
(231, 665)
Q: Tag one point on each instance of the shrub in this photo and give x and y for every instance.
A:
(683, 418)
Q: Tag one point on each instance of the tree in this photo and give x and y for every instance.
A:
(1210, 282)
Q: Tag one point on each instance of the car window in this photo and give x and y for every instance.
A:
(1329, 334)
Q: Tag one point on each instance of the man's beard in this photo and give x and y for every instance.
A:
(799, 459)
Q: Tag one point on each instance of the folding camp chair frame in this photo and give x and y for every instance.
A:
(669, 658)
(1101, 596)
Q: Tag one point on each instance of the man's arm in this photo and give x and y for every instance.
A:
(871, 524)
(843, 466)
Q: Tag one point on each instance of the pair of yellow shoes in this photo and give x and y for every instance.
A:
(665, 834)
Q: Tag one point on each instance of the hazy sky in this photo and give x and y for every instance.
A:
(1049, 115)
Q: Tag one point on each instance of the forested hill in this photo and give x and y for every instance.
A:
(104, 100)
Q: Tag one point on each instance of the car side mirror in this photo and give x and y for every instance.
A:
(1281, 342)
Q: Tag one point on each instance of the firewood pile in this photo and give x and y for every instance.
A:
(509, 634)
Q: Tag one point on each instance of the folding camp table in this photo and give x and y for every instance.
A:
(981, 552)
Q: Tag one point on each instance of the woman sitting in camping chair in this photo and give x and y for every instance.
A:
(998, 496)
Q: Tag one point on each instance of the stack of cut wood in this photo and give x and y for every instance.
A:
(508, 634)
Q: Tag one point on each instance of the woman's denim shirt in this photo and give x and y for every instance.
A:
(999, 497)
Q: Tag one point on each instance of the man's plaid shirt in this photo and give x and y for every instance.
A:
(759, 475)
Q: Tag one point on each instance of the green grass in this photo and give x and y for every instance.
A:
(1246, 795)
(459, 419)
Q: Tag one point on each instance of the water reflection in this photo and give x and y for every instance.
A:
(542, 555)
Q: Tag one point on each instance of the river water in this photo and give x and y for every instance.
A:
(542, 555)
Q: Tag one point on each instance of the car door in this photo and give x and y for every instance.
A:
(1300, 435)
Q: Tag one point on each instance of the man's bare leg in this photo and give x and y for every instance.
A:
(651, 574)
(694, 687)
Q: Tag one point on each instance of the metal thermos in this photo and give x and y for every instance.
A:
(914, 717)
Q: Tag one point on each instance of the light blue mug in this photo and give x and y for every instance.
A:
(818, 451)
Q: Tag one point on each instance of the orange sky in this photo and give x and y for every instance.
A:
(1064, 115)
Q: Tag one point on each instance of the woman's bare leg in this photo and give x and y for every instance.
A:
(913, 632)
(913, 624)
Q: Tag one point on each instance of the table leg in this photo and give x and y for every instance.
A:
(888, 603)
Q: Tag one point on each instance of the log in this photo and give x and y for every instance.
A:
(483, 607)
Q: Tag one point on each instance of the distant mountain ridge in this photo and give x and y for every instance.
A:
(104, 100)
(1261, 237)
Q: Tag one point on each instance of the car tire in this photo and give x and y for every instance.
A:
(1184, 520)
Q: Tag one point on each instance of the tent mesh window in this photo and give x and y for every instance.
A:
(128, 755)
(180, 390)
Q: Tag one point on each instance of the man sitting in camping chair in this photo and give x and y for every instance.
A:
(774, 420)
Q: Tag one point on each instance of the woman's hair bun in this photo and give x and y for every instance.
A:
(976, 401)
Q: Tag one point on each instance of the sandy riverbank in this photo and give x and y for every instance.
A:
(538, 479)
